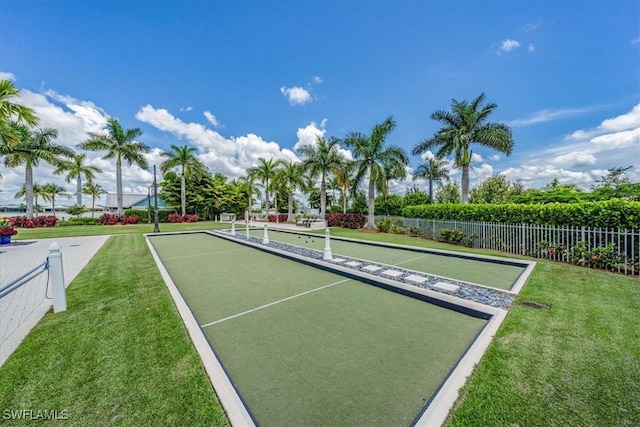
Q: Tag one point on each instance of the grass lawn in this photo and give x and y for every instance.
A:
(121, 355)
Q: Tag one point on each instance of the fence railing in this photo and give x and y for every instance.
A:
(610, 249)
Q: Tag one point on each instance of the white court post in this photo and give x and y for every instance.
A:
(56, 275)
(233, 227)
(247, 223)
(327, 256)
(265, 236)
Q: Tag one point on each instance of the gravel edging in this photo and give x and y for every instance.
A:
(467, 291)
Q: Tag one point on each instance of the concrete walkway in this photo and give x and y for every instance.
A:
(22, 309)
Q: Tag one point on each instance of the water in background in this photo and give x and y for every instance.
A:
(62, 215)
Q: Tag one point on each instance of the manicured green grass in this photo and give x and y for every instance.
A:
(347, 354)
(119, 355)
(576, 364)
(96, 230)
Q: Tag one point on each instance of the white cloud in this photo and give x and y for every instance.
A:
(616, 140)
(296, 95)
(531, 47)
(481, 172)
(531, 26)
(635, 41)
(309, 136)
(494, 157)
(552, 114)
(211, 118)
(623, 122)
(5, 75)
(427, 155)
(509, 45)
(186, 108)
(317, 79)
(574, 159)
(540, 175)
(477, 158)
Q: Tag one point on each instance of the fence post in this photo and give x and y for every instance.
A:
(56, 275)
(233, 227)
(265, 236)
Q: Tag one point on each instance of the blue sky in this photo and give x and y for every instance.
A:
(248, 79)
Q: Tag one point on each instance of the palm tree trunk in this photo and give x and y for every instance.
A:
(93, 206)
(323, 197)
(119, 185)
(465, 183)
(53, 204)
(28, 189)
(183, 194)
(79, 191)
(371, 225)
(344, 200)
(430, 189)
(290, 215)
(266, 196)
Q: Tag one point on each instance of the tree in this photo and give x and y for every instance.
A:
(448, 193)
(494, 189)
(288, 177)
(52, 190)
(120, 144)
(391, 170)
(189, 164)
(248, 188)
(344, 176)
(614, 177)
(76, 169)
(12, 114)
(93, 190)
(266, 172)
(434, 169)
(38, 191)
(371, 152)
(35, 146)
(320, 160)
(465, 125)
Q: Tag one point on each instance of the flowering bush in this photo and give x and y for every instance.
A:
(280, 217)
(346, 220)
(111, 219)
(174, 217)
(40, 221)
(6, 227)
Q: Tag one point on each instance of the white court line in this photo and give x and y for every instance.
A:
(272, 303)
(412, 259)
(207, 253)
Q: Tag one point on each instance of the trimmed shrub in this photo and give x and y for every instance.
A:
(111, 219)
(281, 218)
(608, 214)
(40, 221)
(80, 221)
(348, 220)
(143, 214)
(175, 217)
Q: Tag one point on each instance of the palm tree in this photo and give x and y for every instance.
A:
(290, 176)
(93, 190)
(435, 170)
(344, 176)
(12, 114)
(189, 166)
(248, 187)
(465, 125)
(76, 168)
(120, 144)
(391, 170)
(52, 190)
(38, 191)
(35, 146)
(371, 152)
(321, 159)
(265, 172)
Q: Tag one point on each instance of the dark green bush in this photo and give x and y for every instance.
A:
(143, 214)
(608, 214)
(80, 221)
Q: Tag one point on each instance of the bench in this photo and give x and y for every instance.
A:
(227, 216)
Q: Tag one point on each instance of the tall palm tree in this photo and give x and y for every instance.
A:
(35, 146)
(52, 190)
(38, 191)
(391, 170)
(93, 190)
(120, 144)
(433, 169)
(464, 125)
(289, 176)
(189, 164)
(344, 176)
(371, 152)
(76, 169)
(266, 172)
(248, 187)
(12, 114)
(321, 159)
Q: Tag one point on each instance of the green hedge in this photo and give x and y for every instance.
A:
(163, 215)
(80, 221)
(609, 214)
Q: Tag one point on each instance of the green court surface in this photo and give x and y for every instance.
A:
(308, 347)
(482, 272)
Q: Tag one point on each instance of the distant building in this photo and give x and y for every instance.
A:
(133, 201)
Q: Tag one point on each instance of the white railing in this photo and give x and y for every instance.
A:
(611, 249)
